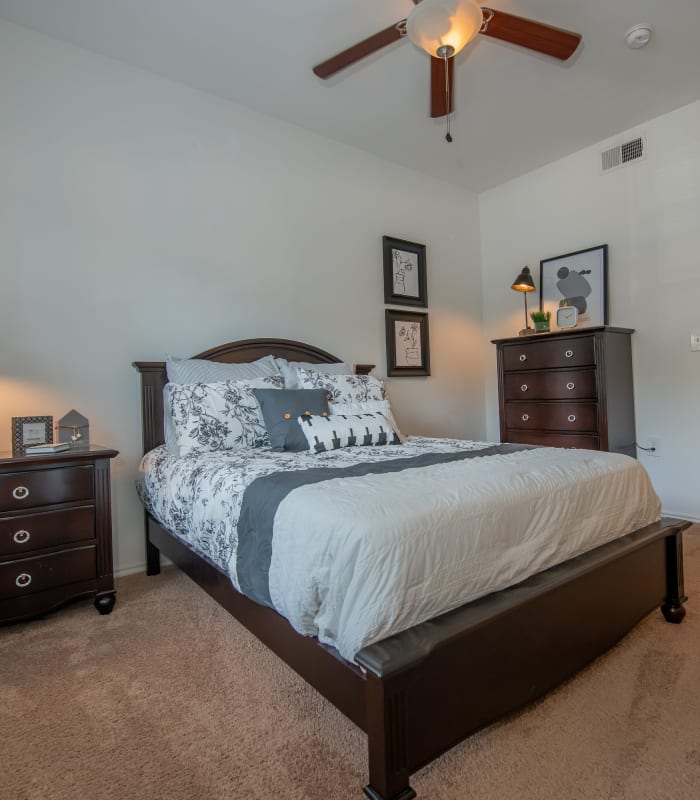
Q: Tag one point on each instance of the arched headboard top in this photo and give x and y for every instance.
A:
(154, 377)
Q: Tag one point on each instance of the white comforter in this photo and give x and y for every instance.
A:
(355, 560)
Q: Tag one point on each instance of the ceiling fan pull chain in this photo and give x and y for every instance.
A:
(448, 135)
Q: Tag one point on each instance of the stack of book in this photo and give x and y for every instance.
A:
(47, 447)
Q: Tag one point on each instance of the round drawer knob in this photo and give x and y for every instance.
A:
(572, 417)
(526, 417)
(523, 357)
(569, 353)
(570, 386)
(23, 580)
(20, 492)
(523, 388)
(21, 537)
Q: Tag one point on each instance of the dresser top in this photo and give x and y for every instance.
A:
(85, 454)
(536, 337)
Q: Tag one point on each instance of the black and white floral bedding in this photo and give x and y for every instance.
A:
(198, 496)
(356, 559)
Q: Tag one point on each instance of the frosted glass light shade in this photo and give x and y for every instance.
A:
(437, 23)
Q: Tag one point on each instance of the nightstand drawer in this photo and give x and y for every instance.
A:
(549, 354)
(42, 487)
(577, 384)
(552, 416)
(583, 441)
(24, 532)
(29, 575)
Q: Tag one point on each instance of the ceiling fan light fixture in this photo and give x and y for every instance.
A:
(443, 27)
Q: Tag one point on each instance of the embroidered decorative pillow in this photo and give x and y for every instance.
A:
(347, 430)
(371, 406)
(219, 416)
(343, 388)
(281, 409)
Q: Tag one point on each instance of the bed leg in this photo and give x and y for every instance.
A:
(387, 733)
(152, 555)
(672, 609)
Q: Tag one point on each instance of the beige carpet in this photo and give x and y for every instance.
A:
(170, 698)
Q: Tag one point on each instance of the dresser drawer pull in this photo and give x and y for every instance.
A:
(20, 492)
(570, 386)
(523, 357)
(569, 353)
(523, 388)
(526, 417)
(572, 417)
(21, 537)
(23, 580)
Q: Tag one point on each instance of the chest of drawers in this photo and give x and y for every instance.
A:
(568, 389)
(55, 532)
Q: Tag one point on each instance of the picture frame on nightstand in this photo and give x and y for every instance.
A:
(27, 431)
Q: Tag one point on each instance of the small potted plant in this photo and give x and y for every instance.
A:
(541, 320)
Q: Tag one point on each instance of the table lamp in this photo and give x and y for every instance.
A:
(524, 283)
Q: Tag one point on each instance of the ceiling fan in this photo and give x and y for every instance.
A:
(442, 28)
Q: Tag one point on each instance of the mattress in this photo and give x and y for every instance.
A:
(359, 557)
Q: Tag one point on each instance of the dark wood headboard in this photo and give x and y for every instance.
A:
(154, 378)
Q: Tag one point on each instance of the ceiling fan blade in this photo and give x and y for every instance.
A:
(537, 36)
(438, 93)
(358, 51)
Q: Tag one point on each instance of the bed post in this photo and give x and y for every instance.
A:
(387, 735)
(672, 609)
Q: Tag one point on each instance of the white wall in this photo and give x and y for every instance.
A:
(649, 214)
(138, 217)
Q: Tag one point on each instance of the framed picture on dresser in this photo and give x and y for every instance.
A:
(27, 431)
(578, 279)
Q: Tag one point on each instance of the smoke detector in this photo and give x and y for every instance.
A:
(638, 36)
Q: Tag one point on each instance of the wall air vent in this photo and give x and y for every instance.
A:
(622, 154)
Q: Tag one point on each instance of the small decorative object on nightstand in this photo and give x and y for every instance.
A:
(524, 283)
(74, 429)
(55, 531)
(541, 320)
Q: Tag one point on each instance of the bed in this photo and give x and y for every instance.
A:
(420, 691)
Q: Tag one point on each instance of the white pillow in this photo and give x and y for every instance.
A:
(368, 407)
(219, 416)
(346, 430)
(290, 370)
(343, 388)
(199, 370)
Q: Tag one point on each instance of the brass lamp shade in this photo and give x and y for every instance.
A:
(524, 282)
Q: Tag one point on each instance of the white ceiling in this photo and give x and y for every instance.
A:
(515, 110)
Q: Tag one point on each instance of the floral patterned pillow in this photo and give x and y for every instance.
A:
(219, 416)
(343, 388)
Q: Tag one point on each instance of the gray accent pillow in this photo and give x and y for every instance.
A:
(281, 409)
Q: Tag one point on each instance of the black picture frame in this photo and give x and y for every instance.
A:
(407, 343)
(585, 285)
(28, 431)
(405, 277)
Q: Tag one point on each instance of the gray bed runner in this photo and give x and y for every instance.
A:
(262, 498)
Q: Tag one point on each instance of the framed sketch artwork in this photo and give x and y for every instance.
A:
(407, 346)
(405, 281)
(580, 280)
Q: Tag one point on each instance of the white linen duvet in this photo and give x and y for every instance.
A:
(357, 559)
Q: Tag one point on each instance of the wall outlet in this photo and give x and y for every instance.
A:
(655, 442)
(695, 340)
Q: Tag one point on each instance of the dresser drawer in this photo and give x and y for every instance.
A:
(24, 532)
(575, 352)
(578, 384)
(41, 487)
(552, 416)
(29, 575)
(581, 440)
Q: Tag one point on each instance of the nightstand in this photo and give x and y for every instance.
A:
(55, 531)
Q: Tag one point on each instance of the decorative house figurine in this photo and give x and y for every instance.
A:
(73, 428)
